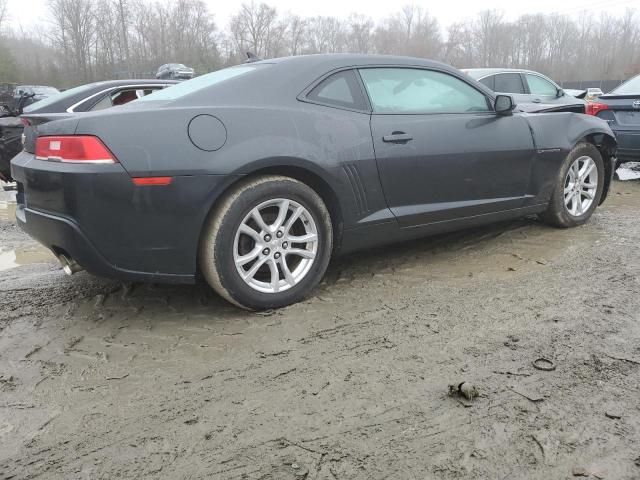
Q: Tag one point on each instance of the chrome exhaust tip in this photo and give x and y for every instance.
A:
(69, 266)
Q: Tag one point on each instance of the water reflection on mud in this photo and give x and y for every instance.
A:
(25, 254)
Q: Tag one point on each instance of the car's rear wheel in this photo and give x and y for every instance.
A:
(267, 244)
(578, 188)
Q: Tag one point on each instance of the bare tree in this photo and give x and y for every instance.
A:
(3, 13)
(359, 37)
(411, 32)
(325, 35)
(256, 28)
(296, 28)
(99, 39)
(74, 32)
(123, 10)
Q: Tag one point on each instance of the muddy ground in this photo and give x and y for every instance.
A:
(104, 380)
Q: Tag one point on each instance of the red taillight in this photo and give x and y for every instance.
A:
(146, 181)
(73, 149)
(594, 107)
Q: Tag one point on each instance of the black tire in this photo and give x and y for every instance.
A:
(557, 214)
(216, 256)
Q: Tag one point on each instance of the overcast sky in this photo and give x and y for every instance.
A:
(26, 13)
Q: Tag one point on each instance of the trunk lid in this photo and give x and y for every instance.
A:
(624, 110)
(37, 122)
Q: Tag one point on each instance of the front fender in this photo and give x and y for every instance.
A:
(564, 130)
(555, 135)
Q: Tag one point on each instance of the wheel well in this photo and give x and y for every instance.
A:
(607, 148)
(317, 183)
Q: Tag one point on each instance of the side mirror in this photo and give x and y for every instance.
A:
(560, 93)
(504, 105)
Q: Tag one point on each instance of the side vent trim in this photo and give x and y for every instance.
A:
(357, 187)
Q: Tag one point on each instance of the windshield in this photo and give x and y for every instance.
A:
(57, 96)
(630, 87)
(45, 90)
(199, 83)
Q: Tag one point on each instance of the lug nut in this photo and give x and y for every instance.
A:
(279, 234)
(277, 255)
(266, 251)
(267, 238)
(285, 245)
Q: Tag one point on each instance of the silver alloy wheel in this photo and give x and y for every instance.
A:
(275, 245)
(580, 186)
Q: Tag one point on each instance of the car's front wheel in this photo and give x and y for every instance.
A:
(578, 188)
(267, 244)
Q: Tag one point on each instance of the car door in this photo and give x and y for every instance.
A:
(442, 152)
(542, 90)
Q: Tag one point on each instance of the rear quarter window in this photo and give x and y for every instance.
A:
(341, 89)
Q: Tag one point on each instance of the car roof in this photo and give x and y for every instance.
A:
(275, 83)
(350, 59)
(279, 82)
(132, 81)
(485, 72)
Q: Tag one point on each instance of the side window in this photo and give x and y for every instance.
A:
(148, 91)
(540, 86)
(341, 89)
(509, 83)
(413, 90)
(122, 96)
(489, 82)
(102, 104)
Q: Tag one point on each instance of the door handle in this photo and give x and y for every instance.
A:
(536, 100)
(397, 137)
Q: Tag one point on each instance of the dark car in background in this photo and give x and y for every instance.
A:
(85, 98)
(6, 97)
(175, 71)
(34, 93)
(621, 109)
(532, 91)
(255, 175)
(97, 96)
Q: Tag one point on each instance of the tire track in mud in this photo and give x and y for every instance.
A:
(349, 384)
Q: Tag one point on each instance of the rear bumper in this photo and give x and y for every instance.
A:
(628, 146)
(63, 236)
(96, 215)
(628, 155)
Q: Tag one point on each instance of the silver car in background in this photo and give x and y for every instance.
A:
(532, 91)
(175, 71)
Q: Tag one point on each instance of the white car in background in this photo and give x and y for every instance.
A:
(592, 94)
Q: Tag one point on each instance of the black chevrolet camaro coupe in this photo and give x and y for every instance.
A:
(255, 175)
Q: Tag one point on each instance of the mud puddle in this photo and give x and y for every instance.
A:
(25, 253)
(7, 206)
(24, 256)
